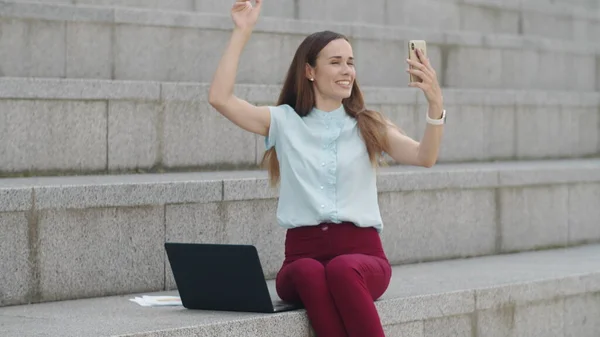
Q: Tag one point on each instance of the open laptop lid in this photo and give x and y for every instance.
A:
(219, 277)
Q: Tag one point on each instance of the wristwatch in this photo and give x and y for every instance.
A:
(440, 121)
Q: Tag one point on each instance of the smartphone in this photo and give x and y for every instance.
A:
(412, 55)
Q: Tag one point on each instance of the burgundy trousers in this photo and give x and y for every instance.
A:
(336, 271)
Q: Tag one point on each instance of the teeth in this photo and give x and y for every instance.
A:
(343, 82)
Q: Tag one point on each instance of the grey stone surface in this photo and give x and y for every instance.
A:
(394, 309)
(496, 322)
(429, 14)
(390, 97)
(281, 8)
(523, 293)
(215, 6)
(173, 19)
(539, 173)
(96, 252)
(535, 134)
(582, 80)
(89, 50)
(464, 68)
(170, 44)
(31, 48)
(53, 135)
(193, 223)
(77, 89)
(582, 315)
(187, 92)
(152, 189)
(91, 193)
(551, 67)
(133, 134)
(406, 117)
(15, 266)
(231, 222)
(488, 20)
(368, 66)
(343, 11)
(455, 326)
(395, 179)
(541, 319)
(68, 2)
(499, 132)
(525, 68)
(533, 217)
(255, 223)
(561, 28)
(196, 134)
(89, 317)
(426, 225)
(588, 120)
(180, 5)
(248, 188)
(417, 293)
(15, 199)
(55, 12)
(141, 52)
(414, 329)
(584, 213)
(257, 59)
(464, 136)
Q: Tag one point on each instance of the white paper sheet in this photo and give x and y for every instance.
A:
(157, 301)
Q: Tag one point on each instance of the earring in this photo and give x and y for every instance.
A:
(312, 79)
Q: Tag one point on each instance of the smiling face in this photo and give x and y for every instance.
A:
(333, 74)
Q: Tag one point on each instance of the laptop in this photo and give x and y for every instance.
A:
(222, 277)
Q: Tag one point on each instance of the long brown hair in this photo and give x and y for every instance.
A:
(298, 93)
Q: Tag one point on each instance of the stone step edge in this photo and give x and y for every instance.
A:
(152, 17)
(79, 192)
(562, 10)
(101, 89)
(394, 308)
(408, 309)
(540, 6)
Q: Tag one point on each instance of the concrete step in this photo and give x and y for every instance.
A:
(552, 294)
(78, 237)
(66, 126)
(573, 19)
(65, 41)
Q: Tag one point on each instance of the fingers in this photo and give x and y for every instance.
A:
(417, 65)
(417, 85)
(239, 6)
(424, 59)
(422, 75)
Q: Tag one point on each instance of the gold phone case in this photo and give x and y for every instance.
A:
(412, 55)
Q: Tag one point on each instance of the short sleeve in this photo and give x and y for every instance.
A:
(278, 117)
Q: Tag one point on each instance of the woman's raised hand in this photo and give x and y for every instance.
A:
(244, 14)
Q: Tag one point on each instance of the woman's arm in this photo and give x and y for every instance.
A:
(405, 150)
(240, 112)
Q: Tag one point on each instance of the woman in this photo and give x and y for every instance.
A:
(323, 148)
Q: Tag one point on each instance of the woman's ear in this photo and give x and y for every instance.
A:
(310, 73)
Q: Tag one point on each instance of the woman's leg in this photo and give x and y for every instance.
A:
(355, 281)
(304, 280)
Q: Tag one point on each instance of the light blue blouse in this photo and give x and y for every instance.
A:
(326, 175)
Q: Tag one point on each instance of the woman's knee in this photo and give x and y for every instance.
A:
(342, 267)
(302, 270)
(350, 272)
(301, 273)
